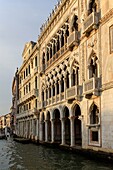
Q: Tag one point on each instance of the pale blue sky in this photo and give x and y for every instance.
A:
(20, 22)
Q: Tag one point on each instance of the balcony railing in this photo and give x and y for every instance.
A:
(91, 86)
(90, 22)
(33, 93)
(56, 55)
(27, 79)
(73, 92)
(57, 98)
(72, 39)
(42, 69)
(53, 99)
(36, 70)
(62, 96)
(26, 113)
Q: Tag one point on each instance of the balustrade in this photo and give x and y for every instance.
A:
(73, 92)
(91, 86)
(56, 55)
(35, 70)
(53, 99)
(26, 113)
(33, 93)
(27, 79)
(62, 96)
(72, 39)
(90, 22)
(57, 98)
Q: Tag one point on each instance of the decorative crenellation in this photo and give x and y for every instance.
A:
(54, 16)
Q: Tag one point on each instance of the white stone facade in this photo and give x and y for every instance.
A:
(75, 78)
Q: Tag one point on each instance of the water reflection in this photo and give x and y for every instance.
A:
(15, 156)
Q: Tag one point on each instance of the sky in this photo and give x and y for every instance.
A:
(20, 22)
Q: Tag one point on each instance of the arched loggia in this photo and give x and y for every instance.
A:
(67, 126)
(77, 125)
(48, 126)
(57, 126)
(43, 127)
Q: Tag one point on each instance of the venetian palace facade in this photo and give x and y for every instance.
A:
(65, 84)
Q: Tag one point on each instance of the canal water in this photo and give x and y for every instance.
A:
(16, 156)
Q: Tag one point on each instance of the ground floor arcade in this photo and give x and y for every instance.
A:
(62, 124)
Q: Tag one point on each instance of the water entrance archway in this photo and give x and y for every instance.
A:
(57, 126)
(77, 125)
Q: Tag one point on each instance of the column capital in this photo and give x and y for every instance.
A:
(63, 119)
(52, 120)
(72, 117)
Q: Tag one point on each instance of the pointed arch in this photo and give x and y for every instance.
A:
(94, 114)
(93, 65)
(93, 6)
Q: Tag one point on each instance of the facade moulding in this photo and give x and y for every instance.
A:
(106, 17)
(107, 86)
(30, 55)
(52, 19)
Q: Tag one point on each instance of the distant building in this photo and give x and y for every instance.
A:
(14, 107)
(28, 88)
(66, 79)
(5, 123)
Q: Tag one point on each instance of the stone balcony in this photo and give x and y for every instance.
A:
(36, 70)
(90, 23)
(27, 79)
(91, 87)
(33, 93)
(42, 105)
(72, 40)
(26, 113)
(74, 92)
(42, 69)
(57, 55)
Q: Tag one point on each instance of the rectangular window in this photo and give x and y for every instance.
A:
(24, 74)
(36, 103)
(24, 90)
(111, 39)
(24, 108)
(29, 69)
(95, 136)
(36, 61)
(29, 86)
(29, 106)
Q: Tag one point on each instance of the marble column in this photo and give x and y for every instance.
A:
(46, 130)
(59, 90)
(55, 91)
(52, 130)
(51, 93)
(37, 129)
(72, 119)
(41, 131)
(44, 97)
(26, 128)
(48, 96)
(64, 87)
(63, 130)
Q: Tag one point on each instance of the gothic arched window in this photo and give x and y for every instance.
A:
(94, 115)
(74, 24)
(92, 7)
(93, 67)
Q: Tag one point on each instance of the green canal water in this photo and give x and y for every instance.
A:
(16, 156)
